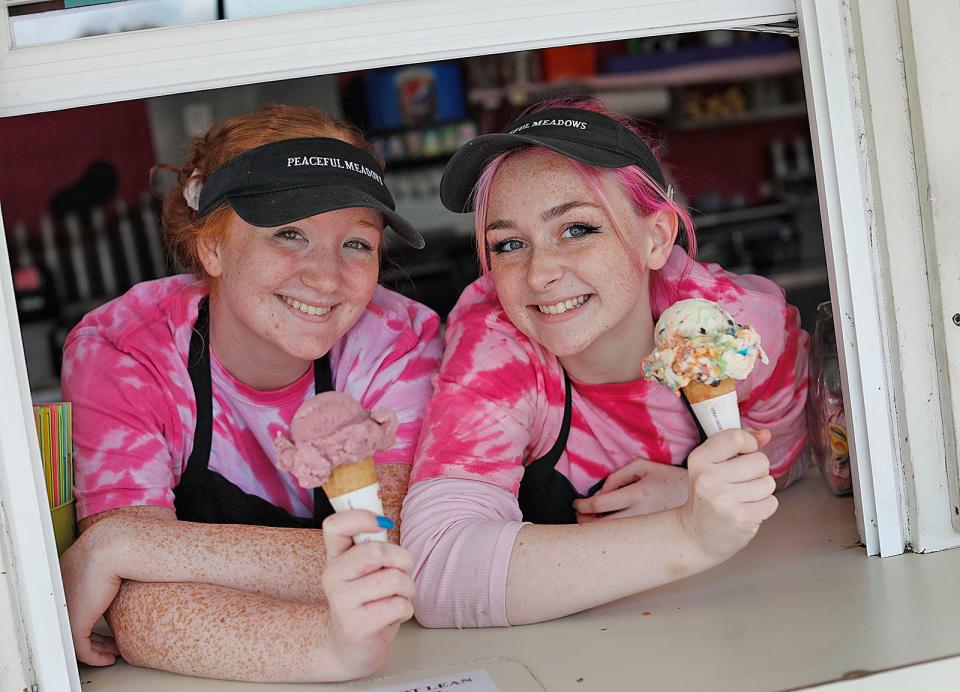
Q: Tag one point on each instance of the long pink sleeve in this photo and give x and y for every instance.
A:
(461, 534)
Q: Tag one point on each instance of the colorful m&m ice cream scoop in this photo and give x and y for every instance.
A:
(700, 348)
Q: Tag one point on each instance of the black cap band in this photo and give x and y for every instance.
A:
(293, 179)
(583, 135)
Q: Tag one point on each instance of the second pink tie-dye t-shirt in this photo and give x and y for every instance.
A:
(500, 397)
(125, 370)
(499, 405)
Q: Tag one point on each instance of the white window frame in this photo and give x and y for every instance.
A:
(182, 59)
(928, 28)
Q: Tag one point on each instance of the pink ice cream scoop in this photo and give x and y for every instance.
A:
(329, 430)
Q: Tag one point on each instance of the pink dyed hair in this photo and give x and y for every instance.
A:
(637, 185)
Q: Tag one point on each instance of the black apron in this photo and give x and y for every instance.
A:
(546, 496)
(204, 495)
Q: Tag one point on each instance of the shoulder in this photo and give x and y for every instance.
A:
(481, 340)
(389, 355)
(395, 337)
(751, 299)
(393, 318)
(692, 279)
(152, 318)
(127, 360)
(173, 299)
(479, 316)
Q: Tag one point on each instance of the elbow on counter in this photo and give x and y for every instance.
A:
(461, 534)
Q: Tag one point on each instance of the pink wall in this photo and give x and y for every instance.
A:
(41, 154)
(728, 159)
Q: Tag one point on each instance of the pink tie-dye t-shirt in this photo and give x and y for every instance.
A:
(499, 397)
(125, 370)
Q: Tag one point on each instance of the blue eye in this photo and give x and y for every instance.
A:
(506, 246)
(357, 244)
(579, 230)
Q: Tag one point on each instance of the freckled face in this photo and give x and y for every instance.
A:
(561, 272)
(287, 294)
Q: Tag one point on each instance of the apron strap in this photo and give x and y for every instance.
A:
(545, 465)
(322, 382)
(198, 365)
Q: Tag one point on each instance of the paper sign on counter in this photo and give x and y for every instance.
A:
(467, 681)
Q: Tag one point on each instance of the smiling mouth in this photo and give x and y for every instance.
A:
(564, 305)
(316, 310)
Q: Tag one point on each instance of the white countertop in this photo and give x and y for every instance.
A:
(801, 605)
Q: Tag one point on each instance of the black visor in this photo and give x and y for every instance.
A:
(586, 136)
(293, 179)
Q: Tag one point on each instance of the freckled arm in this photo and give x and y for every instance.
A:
(237, 602)
(474, 568)
(212, 631)
(595, 563)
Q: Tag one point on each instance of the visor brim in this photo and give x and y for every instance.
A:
(268, 209)
(465, 166)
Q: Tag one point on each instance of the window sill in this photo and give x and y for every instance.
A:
(799, 606)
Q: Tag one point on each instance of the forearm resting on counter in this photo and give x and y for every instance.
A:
(148, 544)
(592, 564)
(211, 631)
(145, 545)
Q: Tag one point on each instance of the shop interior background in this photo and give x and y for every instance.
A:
(727, 109)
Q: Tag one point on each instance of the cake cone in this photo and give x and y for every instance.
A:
(698, 391)
(355, 486)
(714, 405)
(349, 477)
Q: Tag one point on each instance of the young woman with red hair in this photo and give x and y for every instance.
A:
(204, 555)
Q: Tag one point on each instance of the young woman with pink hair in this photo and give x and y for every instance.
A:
(545, 456)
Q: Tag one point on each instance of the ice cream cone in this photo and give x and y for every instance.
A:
(698, 340)
(331, 444)
(714, 405)
(349, 477)
(355, 486)
(698, 391)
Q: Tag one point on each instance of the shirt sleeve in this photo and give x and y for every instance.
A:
(390, 363)
(461, 516)
(124, 428)
(777, 399)
(461, 534)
